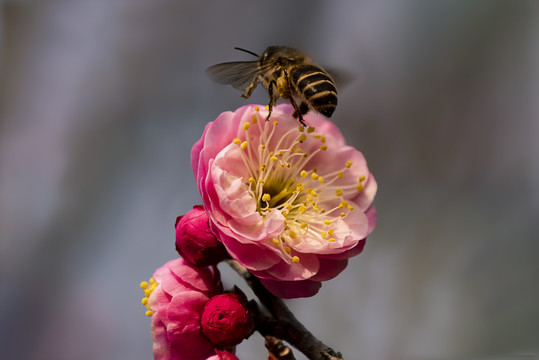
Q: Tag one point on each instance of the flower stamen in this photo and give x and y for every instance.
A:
(148, 288)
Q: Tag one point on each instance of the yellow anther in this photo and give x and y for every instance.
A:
(274, 158)
(331, 239)
(304, 155)
(262, 146)
(275, 123)
(295, 259)
(289, 207)
(144, 301)
(275, 241)
(152, 281)
(280, 153)
(323, 147)
(147, 292)
(315, 207)
(287, 249)
(254, 119)
(343, 214)
(292, 234)
(343, 204)
(301, 128)
(300, 187)
(324, 234)
(348, 163)
(331, 232)
(315, 170)
(322, 210)
(236, 141)
(261, 181)
(302, 209)
(338, 192)
(340, 173)
(244, 145)
(266, 107)
(303, 173)
(314, 176)
(252, 180)
(303, 225)
(310, 129)
(144, 285)
(359, 187)
(246, 126)
(263, 167)
(323, 139)
(149, 313)
(257, 108)
(302, 138)
(350, 207)
(327, 222)
(313, 193)
(361, 178)
(320, 179)
(266, 197)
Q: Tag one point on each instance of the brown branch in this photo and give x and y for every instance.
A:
(283, 324)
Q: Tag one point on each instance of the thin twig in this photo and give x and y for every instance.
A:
(283, 325)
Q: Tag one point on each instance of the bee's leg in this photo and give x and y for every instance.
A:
(249, 90)
(303, 108)
(271, 85)
(299, 111)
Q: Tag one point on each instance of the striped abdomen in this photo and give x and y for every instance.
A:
(316, 88)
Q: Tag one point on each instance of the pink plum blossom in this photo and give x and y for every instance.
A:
(290, 203)
(175, 298)
(195, 241)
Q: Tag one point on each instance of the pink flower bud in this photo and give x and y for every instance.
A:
(226, 320)
(195, 241)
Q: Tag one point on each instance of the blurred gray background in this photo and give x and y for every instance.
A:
(101, 101)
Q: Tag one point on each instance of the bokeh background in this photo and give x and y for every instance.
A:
(101, 101)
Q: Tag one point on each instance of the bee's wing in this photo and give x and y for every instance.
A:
(239, 74)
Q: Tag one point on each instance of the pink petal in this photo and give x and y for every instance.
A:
(292, 289)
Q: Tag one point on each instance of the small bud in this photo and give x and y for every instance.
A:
(226, 320)
(195, 241)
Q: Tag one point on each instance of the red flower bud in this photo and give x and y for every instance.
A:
(226, 320)
(195, 241)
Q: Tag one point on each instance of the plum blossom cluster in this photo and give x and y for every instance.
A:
(290, 204)
(191, 316)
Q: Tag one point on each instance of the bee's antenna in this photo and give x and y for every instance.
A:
(247, 51)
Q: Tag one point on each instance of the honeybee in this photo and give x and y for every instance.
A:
(286, 73)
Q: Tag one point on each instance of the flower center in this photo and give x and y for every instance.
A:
(311, 200)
